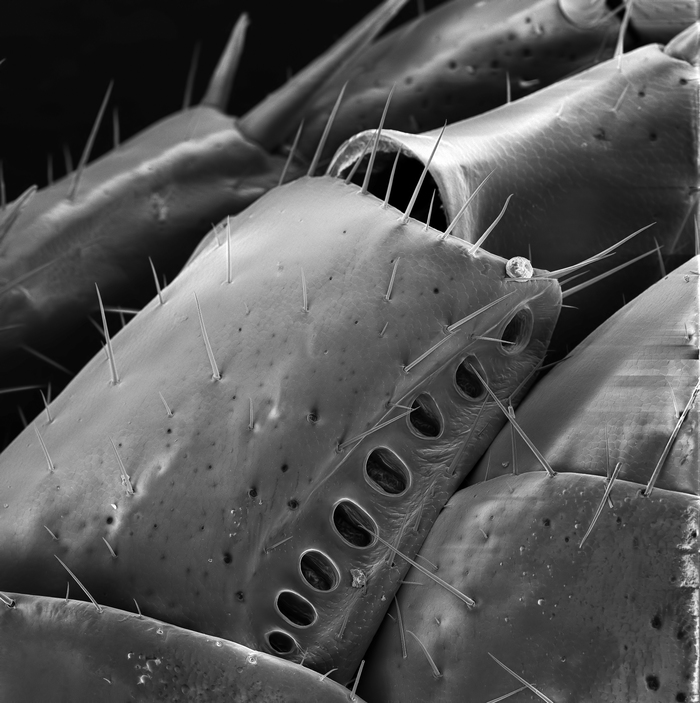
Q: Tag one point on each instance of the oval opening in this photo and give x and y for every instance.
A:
(295, 609)
(319, 571)
(280, 642)
(425, 419)
(350, 522)
(516, 334)
(385, 472)
(467, 382)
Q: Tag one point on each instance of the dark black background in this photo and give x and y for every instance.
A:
(60, 56)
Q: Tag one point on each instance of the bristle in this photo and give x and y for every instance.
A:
(22, 417)
(292, 151)
(601, 255)
(494, 339)
(6, 600)
(508, 89)
(251, 416)
(121, 312)
(402, 633)
(214, 368)
(375, 145)
(88, 146)
(67, 159)
(381, 334)
(49, 419)
(456, 218)
(507, 695)
(381, 425)
(677, 412)
(67, 590)
(266, 549)
(53, 536)
(389, 290)
(427, 353)
(109, 546)
(603, 501)
(492, 226)
(17, 389)
(616, 107)
(399, 538)
(304, 295)
(420, 556)
(77, 580)
(108, 341)
(436, 671)
(600, 277)
(662, 267)
(49, 169)
(356, 165)
(453, 327)
(138, 610)
(414, 197)
(9, 219)
(191, 74)
(126, 481)
(517, 427)
(423, 570)
(357, 681)
(457, 457)
(165, 403)
(522, 680)
(155, 278)
(327, 674)
(228, 249)
(391, 180)
(51, 465)
(326, 131)
(116, 136)
(513, 448)
(344, 623)
(430, 211)
(620, 48)
(659, 464)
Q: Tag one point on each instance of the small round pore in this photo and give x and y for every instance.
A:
(353, 524)
(517, 332)
(318, 571)
(295, 609)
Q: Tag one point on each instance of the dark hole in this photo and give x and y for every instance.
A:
(680, 634)
(296, 609)
(110, 520)
(281, 642)
(546, 522)
(452, 65)
(252, 492)
(566, 539)
(641, 94)
(467, 381)
(516, 335)
(240, 596)
(683, 81)
(285, 468)
(653, 136)
(318, 571)
(293, 504)
(652, 682)
(351, 521)
(656, 622)
(386, 471)
(425, 417)
(681, 697)
(312, 417)
(408, 171)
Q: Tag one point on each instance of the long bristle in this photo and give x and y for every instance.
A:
(168, 411)
(67, 159)
(453, 327)
(357, 681)
(492, 226)
(191, 74)
(522, 680)
(51, 465)
(155, 278)
(109, 546)
(6, 600)
(290, 156)
(210, 353)
(391, 180)
(326, 132)
(457, 217)
(53, 536)
(379, 426)
(620, 47)
(108, 341)
(402, 633)
(116, 136)
(390, 289)
(430, 211)
(414, 197)
(11, 216)
(304, 293)
(88, 146)
(78, 581)
(126, 481)
(433, 666)
(370, 166)
(356, 165)
(518, 429)
(604, 500)
(49, 169)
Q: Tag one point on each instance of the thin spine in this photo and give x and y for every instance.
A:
(251, 414)
(659, 464)
(494, 339)
(138, 610)
(343, 624)
(214, 368)
(600, 277)
(454, 591)
(620, 47)
(116, 137)
(165, 403)
(662, 267)
(420, 556)
(191, 74)
(507, 695)
(518, 429)
(603, 501)
(677, 412)
(356, 165)
(108, 341)
(228, 250)
(327, 674)
(88, 146)
(375, 145)
(326, 132)
(357, 681)
(385, 204)
(430, 211)
(453, 327)
(399, 538)
(17, 389)
(78, 581)
(513, 448)
(404, 218)
(155, 278)
(607, 464)
(6, 600)
(67, 159)
(292, 151)
(10, 218)
(456, 218)
(389, 290)
(53, 536)
(49, 169)
(402, 632)
(381, 334)
(304, 293)
(267, 550)
(508, 89)
(616, 107)
(522, 680)
(491, 227)
(126, 481)
(433, 666)
(22, 417)
(381, 425)
(51, 465)
(109, 546)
